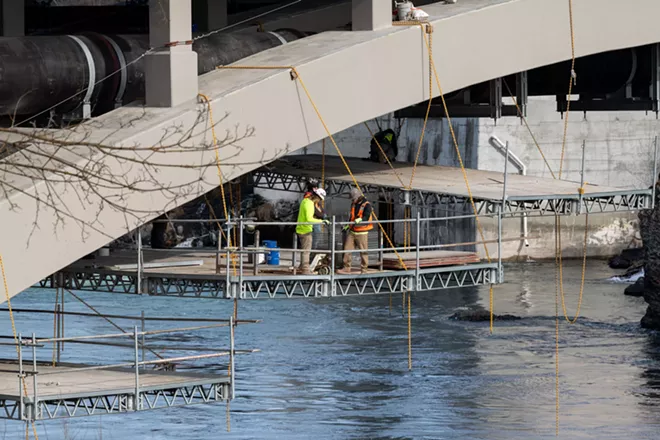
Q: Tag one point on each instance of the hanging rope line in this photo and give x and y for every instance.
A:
(558, 247)
(560, 281)
(572, 80)
(460, 161)
(216, 149)
(428, 29)
(295, 75)
(524, 119)
(17, 342)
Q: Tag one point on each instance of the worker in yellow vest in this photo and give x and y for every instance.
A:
(304, 231)
(357, 233)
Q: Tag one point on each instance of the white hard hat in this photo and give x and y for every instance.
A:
(320, 192)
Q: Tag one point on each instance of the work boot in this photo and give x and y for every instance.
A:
(344, 270)
(304, 271)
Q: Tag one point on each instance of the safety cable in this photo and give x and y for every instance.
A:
(460, 161)
(559, 275)
(216, 149)
(296, 76)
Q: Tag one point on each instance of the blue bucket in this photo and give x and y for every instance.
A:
(272, 257)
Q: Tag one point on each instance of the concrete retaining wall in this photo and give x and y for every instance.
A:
(619, 152)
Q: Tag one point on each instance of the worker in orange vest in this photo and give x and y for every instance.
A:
(357, 234)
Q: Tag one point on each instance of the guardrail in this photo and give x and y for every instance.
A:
(231, 247)
(34, 369)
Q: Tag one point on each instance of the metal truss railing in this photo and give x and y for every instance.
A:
(561, 204)
(300, 286)
(231, 278)
(129, 393)
(123, 402)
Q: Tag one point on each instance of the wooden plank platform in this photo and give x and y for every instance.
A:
(271, 282)
(94, 382)
(435, 178)
(429, 259)
(77, 392)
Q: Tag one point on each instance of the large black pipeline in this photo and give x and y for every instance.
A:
(37, 73)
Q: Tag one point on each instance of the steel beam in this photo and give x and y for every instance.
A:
(514, 206)
(289, 286)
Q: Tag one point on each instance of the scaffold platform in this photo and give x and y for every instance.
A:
(209, 281)
(36, 385)
(63, 392)
(443, 186)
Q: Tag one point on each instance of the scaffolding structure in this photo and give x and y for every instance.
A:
(33, 388)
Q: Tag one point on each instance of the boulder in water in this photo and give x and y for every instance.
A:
(480, 316)
(627, 258)
(636, 289)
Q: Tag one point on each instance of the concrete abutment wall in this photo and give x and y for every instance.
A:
(619, 153)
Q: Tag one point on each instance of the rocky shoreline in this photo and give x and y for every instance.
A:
(649, 225)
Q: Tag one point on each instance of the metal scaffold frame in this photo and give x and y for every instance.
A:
(514, 206)
(259, 287)
(246, 283)
(114, 403)
(133, 387)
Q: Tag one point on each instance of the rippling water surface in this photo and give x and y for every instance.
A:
(337, 368)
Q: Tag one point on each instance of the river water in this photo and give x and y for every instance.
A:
(337, 368)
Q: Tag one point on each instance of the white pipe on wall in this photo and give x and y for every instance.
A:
(522, 169)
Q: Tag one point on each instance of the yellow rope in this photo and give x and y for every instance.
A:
(465, 177)
(212, 213)
(560, 278)
(559, 289)
(16, 341)
(570, 85)
(558, 250)
(428, 29)
(343, 159)
(524, 119)
(561, 274)
(296, 76)
(217, 164)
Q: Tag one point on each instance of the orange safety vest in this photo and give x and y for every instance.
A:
(360, 227)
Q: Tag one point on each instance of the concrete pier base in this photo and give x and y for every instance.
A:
(171, 72)
(370, 15)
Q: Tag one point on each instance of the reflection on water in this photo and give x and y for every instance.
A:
(337, 368)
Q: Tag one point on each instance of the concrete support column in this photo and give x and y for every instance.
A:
(210, 15)
(170, 73)
(370, 15)
(12, 18)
